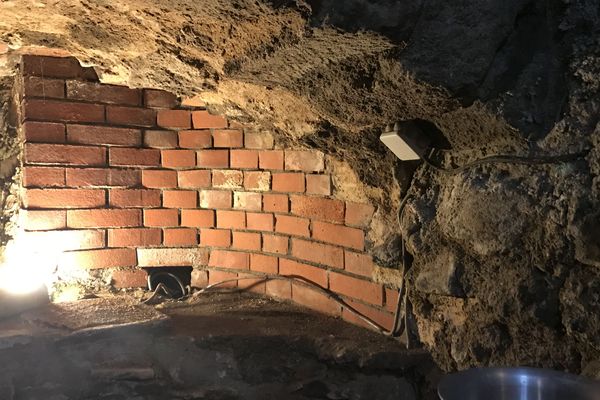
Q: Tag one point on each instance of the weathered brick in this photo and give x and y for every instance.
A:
(215, 237)
(133, 116)
(44, 132)
(178, 119)
(258, 140)
(103, 135)
(43, 177)
(318, 184)
(64, 154)
(308, 272)
(204, 120)
(360, 289)
(308, 161)
(63, 198)
(358, 263)
(131, 198)
(246, 241)
(276, 203)
(104, 218)
(275, 244)
(288, 182)
(55, 110)
(180, 237)
(162, 217)
(155, 98)
(103, 93)
(247, 201)
(259, 222)
(227, 179)
(178, 158)
(198, 218)
(265, 264)
(318, 208)
(172, 257)
(278, 288)
(215, 276)
(292, 225)
(359, 214)
(42, 219)
(159, 179)
(82, 177)
(180, 198)
(194, 101)
(125, 156)
(193, 179)
(338, 234)
(195, 139)
(199, 278)
(96, 259)
(256, 180)
(231, 219)
(228, 138)
(34, 86)
(56, 67)
(160, 139)
(271, 159)
(229, 259)
(64, 240)
(318, 253)
(134, 237)
(244, 159)
(215, 199)
(309, 297)
(213, 158)
(131, 278)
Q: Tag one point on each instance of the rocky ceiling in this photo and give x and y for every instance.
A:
(506, 257)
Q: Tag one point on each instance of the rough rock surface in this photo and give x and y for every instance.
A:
(505, 256)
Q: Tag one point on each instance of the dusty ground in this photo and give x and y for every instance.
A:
(506, 256)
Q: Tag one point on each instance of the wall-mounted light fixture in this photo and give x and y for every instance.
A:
(405, 140)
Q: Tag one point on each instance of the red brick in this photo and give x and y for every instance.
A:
(55, 110)
(288, 182)
(63, 198)
(215, 199)
(130, 198)
(382, 318)
(318, 208)
(360, 289)
(178, 158)
(213, 158)
(125, 279)
(259, 222)
(159, 99)
(308, 272)
(133, 116)
(359, 214)
(160, 139)
(42, 220)
(204, 120)
(45, 132)
(180, 198)
(265, 264)
(178, 119)
(43, 176)
(251, 283)
(247, 201)
(159, 179)
(195, 139)
(134, 237)
(133, 157)
(292, 225)
(215, 237)
(391, 299)
(315, 300)
(318, 253)
(172, 257)
(256, 180)
(229, 259)
(318, 184)
(246, 241)
(358, 263)
(102, 93)
(103, 135)
(220, 276)
(46, 88)
(96, 259)
(228, 138)
(258, 140)
(339, 235)
(193, 179)
(198, 218)
(231, 219)
(63, 240)
(244, 159)
(275, 244)
(180, 237)
(227, 179)
(276, 203)
(155, 218)
(103, 218)
(271, 159)
(279, 288)
(102, 177)
(64, 154)
(55, 67)
(308, 161)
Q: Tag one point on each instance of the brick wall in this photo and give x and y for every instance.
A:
(129, 179)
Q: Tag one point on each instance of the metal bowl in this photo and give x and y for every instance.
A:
(517, 384)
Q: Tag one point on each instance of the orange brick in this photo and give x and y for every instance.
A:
(339, 235)
(318, 253)
(229, 259)
(246, 241)
(244, 159)
(318, 208)
(159, 99)
(215, 199)
(193, 179)
(227, 179)
(213, 158)
(292, 225)
(125, 279)
(256, 180)
(131, 198)
(133, 157)
(247, 201)
(43, 177)
(96, 259)
(228, 138)
(288, 182)
(133, 116)
(65, 240)
(102, 177)
(34, 86)
(179, 119)
(276, 203)
(279, 288)
(134, 237)
(45, 132)
(231, 219)
(308, 272)
(103, 218)
(251, 283)
(195, 139)
(159, 179)
(259, 222)
(265, 264)
(160, 139)
(180, 237)
(359, 214)
(275, 244)
(318, 184)
(381, 317)
(63, 198)
(358, 263)
(204, 120)
(42, 220)
(198, 218)
(360, 289)
(161, 218)
(309, 297)
(271, 159)
(391, 299)
(55, 110)
(64, 154)
(103, 135)
(215, 237)
(220, 276)
(308, 161)
(178, 158)
(103, 93)
(180, 198)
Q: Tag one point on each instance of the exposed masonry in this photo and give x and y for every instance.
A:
(133, 180)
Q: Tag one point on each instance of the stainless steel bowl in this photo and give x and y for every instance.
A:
(517, 384)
